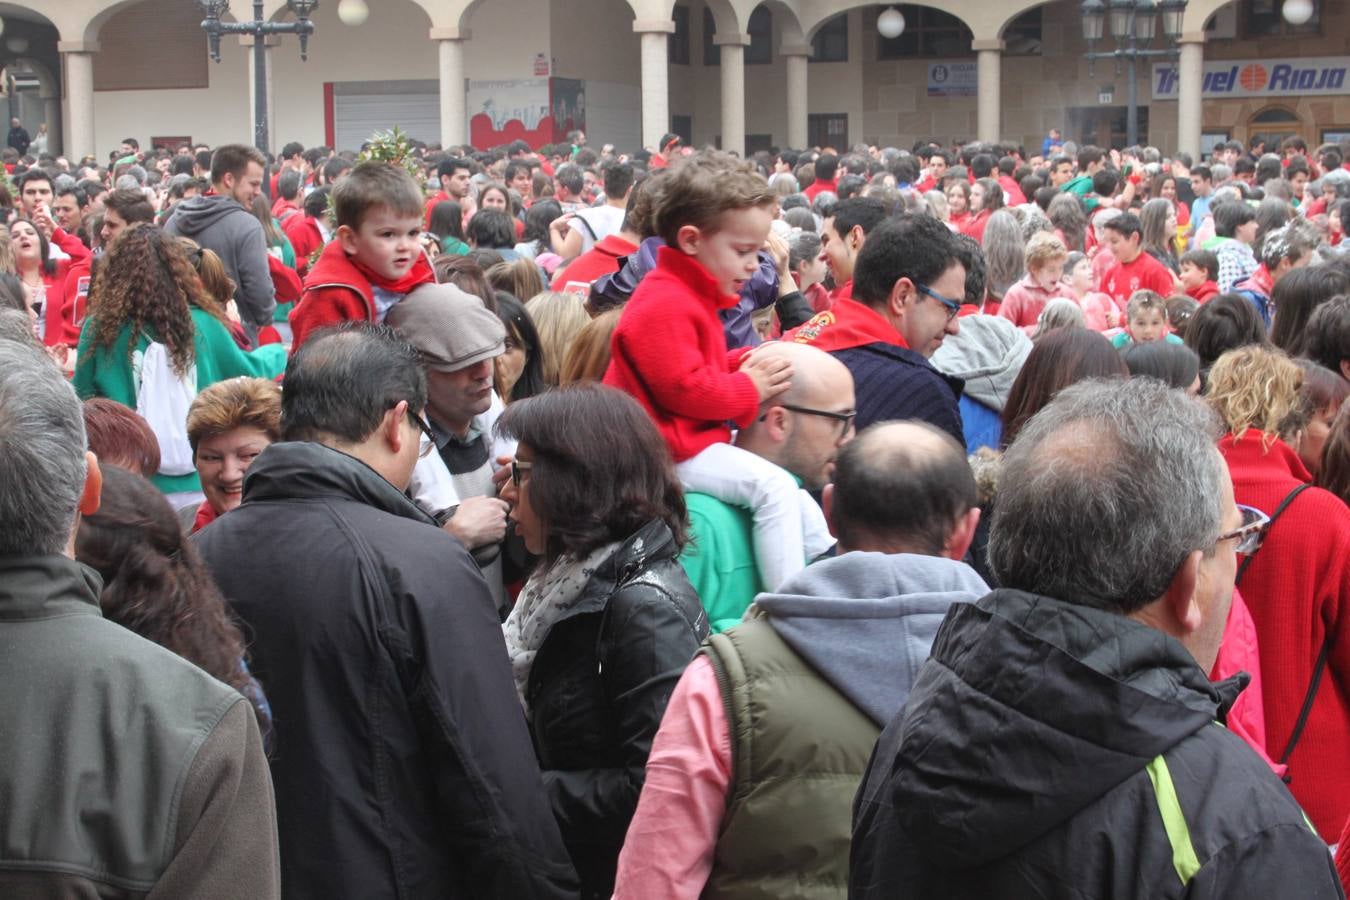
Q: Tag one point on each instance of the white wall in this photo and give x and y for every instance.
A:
(613, 114)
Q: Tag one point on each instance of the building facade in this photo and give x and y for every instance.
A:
(744, 74)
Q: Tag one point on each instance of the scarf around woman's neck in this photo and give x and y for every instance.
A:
(548, 595)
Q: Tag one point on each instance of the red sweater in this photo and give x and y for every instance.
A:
(818, 187)
(602, 259)
(1298, 590)
(669, 351)
(303, 233)
(59, 320)
(1141, 273)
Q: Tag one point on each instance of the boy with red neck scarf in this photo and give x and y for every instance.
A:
(376, 258)
(669, 351)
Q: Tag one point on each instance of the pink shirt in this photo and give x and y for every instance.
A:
(1025, 300)
(669, 849)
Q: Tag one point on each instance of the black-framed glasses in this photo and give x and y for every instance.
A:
(425, 427)
(1250, 533)
(517, 467)
(953, 306)
(847, 418)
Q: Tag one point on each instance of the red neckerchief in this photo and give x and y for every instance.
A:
(206, 514)
(420, 273)
(847, 324)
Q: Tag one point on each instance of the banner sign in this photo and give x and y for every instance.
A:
(1259, 78)
(953, 79)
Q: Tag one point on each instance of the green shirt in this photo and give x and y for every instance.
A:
(720, 558)
(107, 372)
(1124, 340)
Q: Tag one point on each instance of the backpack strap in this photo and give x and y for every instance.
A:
(1284, 504)
(1318, 668)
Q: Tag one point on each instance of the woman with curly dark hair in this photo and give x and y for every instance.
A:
(153, 338)
(156, 585)
(606, 624)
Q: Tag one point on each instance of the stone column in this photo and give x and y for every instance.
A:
(655, 35)
(78, 57)
(454, 116)
(733, 89)
(989, 57)
(1190, 85)
(796, 57)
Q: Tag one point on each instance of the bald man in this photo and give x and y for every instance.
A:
(799, 431)
(775, 720)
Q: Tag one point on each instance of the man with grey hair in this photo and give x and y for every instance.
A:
(1061, 739)
(126, 769)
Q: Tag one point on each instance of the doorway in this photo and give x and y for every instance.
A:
(828, 130)
(1104, 126)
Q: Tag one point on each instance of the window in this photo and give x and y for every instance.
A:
(928, 33)
(1023, 34)
(683, 126)
(1265, 18)
(677, 48)
(827, 130)
(712, 54)
(760, 28)
(831, 42)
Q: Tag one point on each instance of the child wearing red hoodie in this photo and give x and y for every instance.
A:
(669, 349)
(376, 258)
(1200, 274)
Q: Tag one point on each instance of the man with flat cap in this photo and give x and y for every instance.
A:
(457, 338)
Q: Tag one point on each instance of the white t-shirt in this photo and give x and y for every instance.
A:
(600, 222)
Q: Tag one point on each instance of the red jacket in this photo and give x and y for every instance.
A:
(283, 209)
(670, 352)
(305, 237)
(56, 328)
(74, 300)
(1298, 590)
(335, 291)
(602, 259)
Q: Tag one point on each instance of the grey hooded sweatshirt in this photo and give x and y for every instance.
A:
(987, 353)
(225, 227)
(866, 621)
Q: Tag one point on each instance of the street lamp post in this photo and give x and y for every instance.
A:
(1132, 24)
(260, 28)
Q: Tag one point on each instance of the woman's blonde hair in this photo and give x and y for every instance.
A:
(7, 263)
(588, 356)
(219, 286)
(558, 317)
(520, 278)
(1257, 387)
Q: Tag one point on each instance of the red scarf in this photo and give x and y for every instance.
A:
(420, 273)
(847, 324)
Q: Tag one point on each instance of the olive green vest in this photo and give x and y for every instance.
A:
(799, 750)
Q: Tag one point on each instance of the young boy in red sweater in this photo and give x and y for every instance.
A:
(669, 350)
(1200, 274)
(376, 258)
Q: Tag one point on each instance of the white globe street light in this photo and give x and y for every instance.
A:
(353, 12)
(891, 23)
(1298, 12)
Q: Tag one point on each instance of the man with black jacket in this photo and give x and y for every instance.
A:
(1063, 739)
(403, 767)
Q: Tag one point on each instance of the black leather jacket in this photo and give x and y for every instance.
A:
(598, 688)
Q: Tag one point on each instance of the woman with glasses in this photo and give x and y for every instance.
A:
(608, 621)
(1296, 581)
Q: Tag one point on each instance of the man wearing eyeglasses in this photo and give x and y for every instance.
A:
(1064, 738)
(403, 767)
(458, 339)
(800, 431)
(908, 286)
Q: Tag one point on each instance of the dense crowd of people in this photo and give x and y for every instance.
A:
(952, 521)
